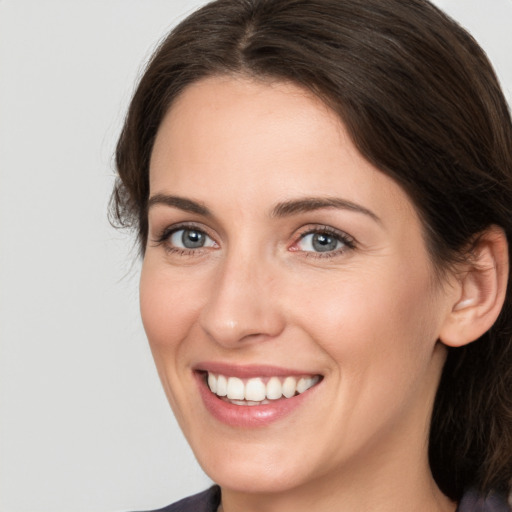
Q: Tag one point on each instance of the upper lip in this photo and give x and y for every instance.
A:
(249, 371)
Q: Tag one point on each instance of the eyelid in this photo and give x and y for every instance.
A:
(348, 241)
(174, 239)
(164, 235)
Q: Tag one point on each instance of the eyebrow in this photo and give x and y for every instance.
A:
(181, 203)
(310, 204)
(284, 209)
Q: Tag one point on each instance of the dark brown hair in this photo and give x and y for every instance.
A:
(421, 103)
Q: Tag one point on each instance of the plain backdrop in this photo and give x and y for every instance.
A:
(84, 425)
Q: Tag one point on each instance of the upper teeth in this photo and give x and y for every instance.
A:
(256, 390)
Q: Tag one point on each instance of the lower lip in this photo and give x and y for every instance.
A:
(249, 416)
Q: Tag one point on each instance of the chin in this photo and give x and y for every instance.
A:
(252, 469)
(246, 478)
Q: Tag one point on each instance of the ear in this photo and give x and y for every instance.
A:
(480, 290)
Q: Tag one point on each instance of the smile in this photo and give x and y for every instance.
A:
(254, 396)
(258, 390)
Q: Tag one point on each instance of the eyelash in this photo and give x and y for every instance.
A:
(164, 238)
(348, 242)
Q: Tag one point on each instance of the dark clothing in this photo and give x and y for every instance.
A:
(473, 502)
(209, 500)
(206, 501)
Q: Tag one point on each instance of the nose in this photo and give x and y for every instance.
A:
(242, 304)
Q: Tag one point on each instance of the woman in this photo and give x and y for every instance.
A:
(322, 191)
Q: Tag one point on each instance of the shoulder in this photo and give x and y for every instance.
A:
(474, 502)
(206, 501)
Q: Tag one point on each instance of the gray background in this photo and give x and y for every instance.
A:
(84, 425)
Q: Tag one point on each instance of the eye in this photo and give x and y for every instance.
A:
(324, 240)
(319, 242)
(189, 238)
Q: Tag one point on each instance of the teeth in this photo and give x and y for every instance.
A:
(235, 388)
(212, 382)
(255, 392)
(274, 389)
(304, 384)
(248, 402)
(289, 387)
(222, 386)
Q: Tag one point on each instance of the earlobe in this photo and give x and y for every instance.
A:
(482, 288)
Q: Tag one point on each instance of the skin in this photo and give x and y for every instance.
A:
(366, 316)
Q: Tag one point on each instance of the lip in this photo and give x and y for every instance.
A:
(249, 416)
(248, 371)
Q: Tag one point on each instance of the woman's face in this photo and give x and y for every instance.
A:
(280, 263)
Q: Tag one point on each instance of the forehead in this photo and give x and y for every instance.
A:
(262, 142)
(234, 112)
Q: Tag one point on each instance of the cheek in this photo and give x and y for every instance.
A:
(169, 306)
(169, 309)
(376, 321)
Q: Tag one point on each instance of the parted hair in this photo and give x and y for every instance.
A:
(421, 102)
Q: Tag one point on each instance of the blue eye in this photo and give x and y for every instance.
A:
(323, 242)
(189, 238)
